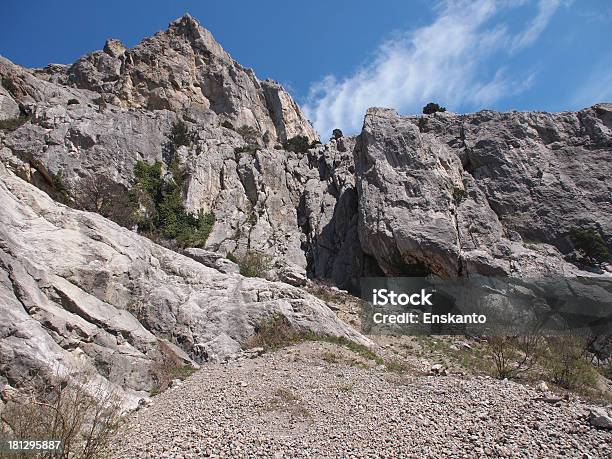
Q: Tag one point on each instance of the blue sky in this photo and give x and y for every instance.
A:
(338, 58)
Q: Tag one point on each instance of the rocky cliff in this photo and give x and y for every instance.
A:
(453, 195)
(488, 193)
(78, 291)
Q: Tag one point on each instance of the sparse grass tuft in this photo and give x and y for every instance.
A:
(396, 366)
(346, 388)
(285, 399)
(278, 333)
(254, 264)
(330, 357)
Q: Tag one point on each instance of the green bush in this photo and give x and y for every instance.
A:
(226, 124)
(250, 149)
(254, 264)
(590, 244)
(100, 102)
(148, 178)
(60, 192)
(170, 219)
(459, 194)
(181, 135)
(431, 108)
(297, 144)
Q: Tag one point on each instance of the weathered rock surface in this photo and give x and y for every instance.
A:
(600, 417)
(190, 69)
(213, 260)
(488, 193)
(79, 291)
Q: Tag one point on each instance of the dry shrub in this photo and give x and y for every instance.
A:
(567, 362)
(274, 334)
(83, 415)
(168, 367)
(513, 355)
(102, 195)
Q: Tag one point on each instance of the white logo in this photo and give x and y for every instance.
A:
(383, 297)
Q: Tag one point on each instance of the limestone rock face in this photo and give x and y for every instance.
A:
(454, 195)
(488, 193)
(79, 291)
(185, 67)
(9, 109)
(213, 260)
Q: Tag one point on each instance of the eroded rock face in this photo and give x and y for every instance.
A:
(488, 193)
(79, 291)
(185, 67)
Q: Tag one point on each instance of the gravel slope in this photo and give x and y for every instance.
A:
(318, 400)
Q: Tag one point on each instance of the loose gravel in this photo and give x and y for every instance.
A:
(319, 400)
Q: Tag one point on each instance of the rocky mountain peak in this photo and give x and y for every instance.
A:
(454, 195)
(114, 48)
(185, 69)
(200, 38)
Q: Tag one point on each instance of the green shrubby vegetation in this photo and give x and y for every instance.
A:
(254, 264)
(250, 149)
(432, 107)
(59, 188)
(181, 135)
(297, 144)
(590, 245)
(167, 217)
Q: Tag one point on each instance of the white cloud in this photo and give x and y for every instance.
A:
(546, 9)
(446, 61)
(596, 88)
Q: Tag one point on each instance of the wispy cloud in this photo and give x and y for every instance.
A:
(447, 61)
(597, 88)
(546, 9)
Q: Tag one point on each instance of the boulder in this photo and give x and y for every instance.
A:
(212, 260)
(600, 418)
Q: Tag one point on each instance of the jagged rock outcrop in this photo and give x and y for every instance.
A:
(78, 291)
(184, 67)
(488, 193)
